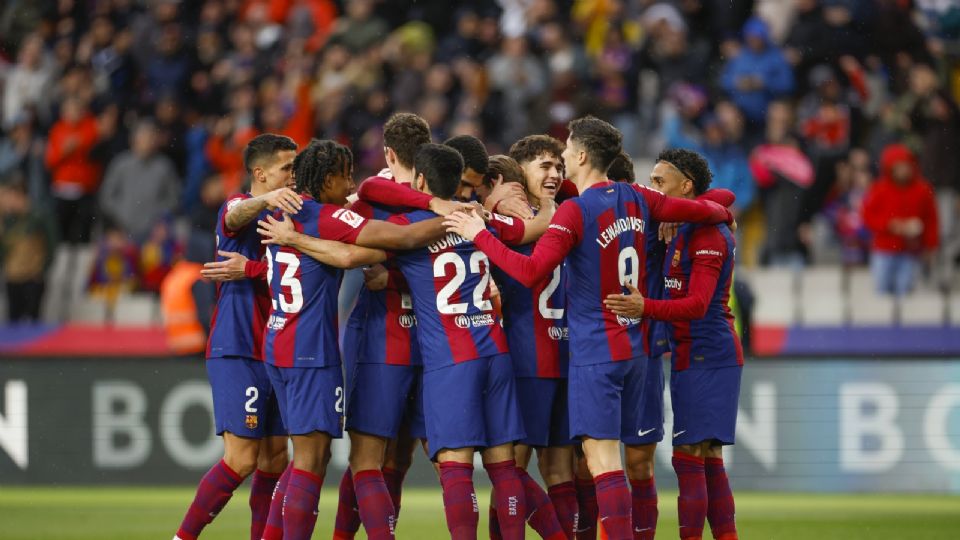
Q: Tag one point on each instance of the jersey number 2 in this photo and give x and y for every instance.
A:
(459, 276)
(290, 264)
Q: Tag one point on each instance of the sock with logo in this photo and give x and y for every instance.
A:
(613, 502)
(720, 508)
(261, 491)
(564, 497)
(376, 508)
(459, 500)
(300, 505)
(587, 501)
(644, 508)
(215, 489)
(274, 528)
(541, 514)
(692, 502)
(347, 522)
(511, 503)
(394, 480)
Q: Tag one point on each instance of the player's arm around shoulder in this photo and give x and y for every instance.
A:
(239, 215)
(330, 252)
(395, 235)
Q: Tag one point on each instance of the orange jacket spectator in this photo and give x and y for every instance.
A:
(323, 14)
(300, 125)
(225, 153)
(68, 155)
(900, 209)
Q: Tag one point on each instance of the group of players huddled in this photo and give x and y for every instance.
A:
(511, 304)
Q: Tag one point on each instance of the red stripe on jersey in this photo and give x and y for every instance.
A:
(681, 329)
(548, 350)
(640, 243)
(285, 341)
(617, 339)
(497, 334)
(460, 340)
(397, 342)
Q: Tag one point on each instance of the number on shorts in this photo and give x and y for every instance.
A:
(338, 406)
(253, 393)
(291, 263)
(459, 276)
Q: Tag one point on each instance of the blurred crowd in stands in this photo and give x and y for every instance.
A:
(835, 122)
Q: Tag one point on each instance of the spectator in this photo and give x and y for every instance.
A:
(140, 186)
(28, 84)
(520, 77)
(21, 156)
(74, 174)
(27, 241)
(158, 253)
(361, 28)
(757, 74)
(900, 211)
(844, 210)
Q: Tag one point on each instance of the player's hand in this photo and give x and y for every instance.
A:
(509, 198)
(274, 231)
(443, 207)
(375, 277)
(668, 231)
(466, 225)
(515, 207)
(229, 269)
(285, 199)
(628, 305)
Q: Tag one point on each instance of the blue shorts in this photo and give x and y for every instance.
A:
(651, 421)
(543, 406)
(472, 405)
(311, 399)
(606, 400)
(243, 399)
(705, 404)
(381, 397)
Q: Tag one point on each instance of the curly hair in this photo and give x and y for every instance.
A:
(531, 147)
(690, 164)
(621, 169)
(505, 166)
(600, 140)
(405, 133)
(319, 160)
(472, 150)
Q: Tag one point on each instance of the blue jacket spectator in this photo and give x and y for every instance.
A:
(758, 74)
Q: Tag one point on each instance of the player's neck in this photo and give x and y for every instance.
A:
(402, 175)
(589, 179)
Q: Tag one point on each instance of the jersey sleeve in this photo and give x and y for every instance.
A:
(363, 208)
(340, 224)
(231, 203)
(567, 190)
(562, 235)
(387, 192)
(723, 197)
(709, 250)
(509, 230)
(255, 270)
(674, 210)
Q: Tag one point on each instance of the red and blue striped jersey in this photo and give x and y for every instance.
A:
(236, 328)
(302, 328)
(658, 330)
(540, 309)
(698, 274)
(450, 282)
(386, 316)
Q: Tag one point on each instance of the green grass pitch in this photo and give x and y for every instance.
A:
(112, 513)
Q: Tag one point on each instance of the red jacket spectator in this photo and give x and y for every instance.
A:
(68, 154)
(899, 209)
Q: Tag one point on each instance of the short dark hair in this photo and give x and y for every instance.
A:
(531, 147)
(264, 147)
(404, 133)
(319, 160)
(621, 169)
(691, 164)
(472, 150)
(441, 166)
(505, 166)
(600, 140)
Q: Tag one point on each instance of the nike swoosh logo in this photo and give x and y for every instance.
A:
(638, 529)
(642, 433)
(679, 433)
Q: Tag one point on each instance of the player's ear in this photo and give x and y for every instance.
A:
(390, 155)
(420, 182)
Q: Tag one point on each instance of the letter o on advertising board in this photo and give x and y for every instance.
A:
(175, 405)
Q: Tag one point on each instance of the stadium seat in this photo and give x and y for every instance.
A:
(138, 309)
(822, 302)
(776, 296)
(867, 306)
(954, 306)
(923, 308)
(89, 309)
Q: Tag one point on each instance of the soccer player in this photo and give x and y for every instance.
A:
(245, 411)
(300, 341)
(707, 356)
(603, 235)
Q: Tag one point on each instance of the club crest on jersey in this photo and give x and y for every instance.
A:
(676, 258)
(407, 320)
(627, 321)
(251, 421)
(558, 333)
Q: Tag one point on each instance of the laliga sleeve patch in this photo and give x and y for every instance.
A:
(349, 217)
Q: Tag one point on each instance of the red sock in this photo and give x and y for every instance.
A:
(215, 489)
(587, 518)
(394, 480)
(493, 525)
(564, 497)
(347, 522)
(376, 508)
(300, 505)
(509, 493)
(613, 501)
(459, 500)
(692, 502)
(541, 514)
(261, 491)
(274, 527)
(720, 508)
(644, 508)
